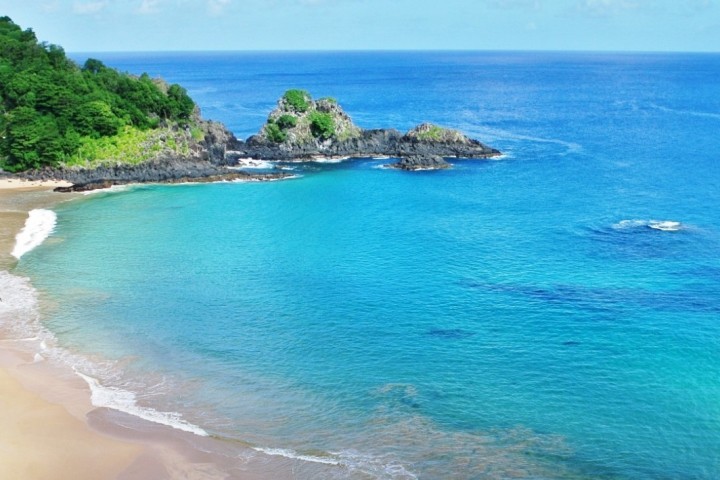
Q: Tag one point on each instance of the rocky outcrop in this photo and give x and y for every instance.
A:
(421, 162)
(169, 170)
(216, 141)
(369, 143)
(299, 129)
(292, 135)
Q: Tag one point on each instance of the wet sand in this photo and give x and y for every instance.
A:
(44, 438)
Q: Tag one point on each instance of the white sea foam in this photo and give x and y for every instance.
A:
(259, 180)
(245, 163)
(283, 452)
(38, 226)
(328, 159)
(126, 401)
(18, 308)
(20, 321)
(665, 225)
(692, 113)
(351, 460)
(662, 225)
(628, 224)
(497, 133)
(111, 189)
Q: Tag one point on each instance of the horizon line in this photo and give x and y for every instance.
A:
(409, 50)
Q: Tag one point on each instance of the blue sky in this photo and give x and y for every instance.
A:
(155, 25)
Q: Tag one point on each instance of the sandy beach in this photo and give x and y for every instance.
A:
(51, 430)
(44, 434)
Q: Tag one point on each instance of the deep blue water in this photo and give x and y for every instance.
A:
(514, 317)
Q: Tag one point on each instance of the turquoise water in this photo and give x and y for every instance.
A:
(517, 317)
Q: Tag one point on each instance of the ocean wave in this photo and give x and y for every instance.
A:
(497, 133)
(350, 460)
(328, 159)
(111, 189)
(18, 309)
(251, 163)
(259, 180)
(692, 113)
(20, 321)
(662, 225)
(126, 401)
(287, 453)
(38, 226)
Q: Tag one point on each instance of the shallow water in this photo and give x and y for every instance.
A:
(518, 317)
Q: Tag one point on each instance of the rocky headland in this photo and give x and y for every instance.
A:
(299, 129)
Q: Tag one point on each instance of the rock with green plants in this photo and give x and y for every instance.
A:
(301, 129)
(92, 124)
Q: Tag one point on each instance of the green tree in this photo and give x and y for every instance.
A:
(286, 121)
(299, 100)
(32, 140)
(274, 133)
(322, 125)
(44, 93)
(96, 119)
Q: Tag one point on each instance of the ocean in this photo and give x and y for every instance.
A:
(551, 314)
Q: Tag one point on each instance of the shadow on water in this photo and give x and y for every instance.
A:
(450, 333)
(609, 299)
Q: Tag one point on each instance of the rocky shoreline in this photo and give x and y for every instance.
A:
(216, 156)
(170, 170)
(370, 143)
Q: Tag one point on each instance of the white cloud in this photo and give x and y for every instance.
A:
(89, 8)
(216, 7)
(149, 7)
(50, 7)
(608, 8)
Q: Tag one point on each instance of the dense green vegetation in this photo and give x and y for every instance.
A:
(52, 111)
(321, 119)
(433, 132)
(299, 100)
(276, 129)
(322, 125)
(274, 132)
(286, 121)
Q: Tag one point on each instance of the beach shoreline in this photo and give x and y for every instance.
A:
(43, 409)
(51, 428)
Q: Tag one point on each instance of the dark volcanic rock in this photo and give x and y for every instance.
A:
(369, 143)
(161, 171)
(421, 162)
(208, 158)
(218, 140)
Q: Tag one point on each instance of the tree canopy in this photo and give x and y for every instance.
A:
(49, 105)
